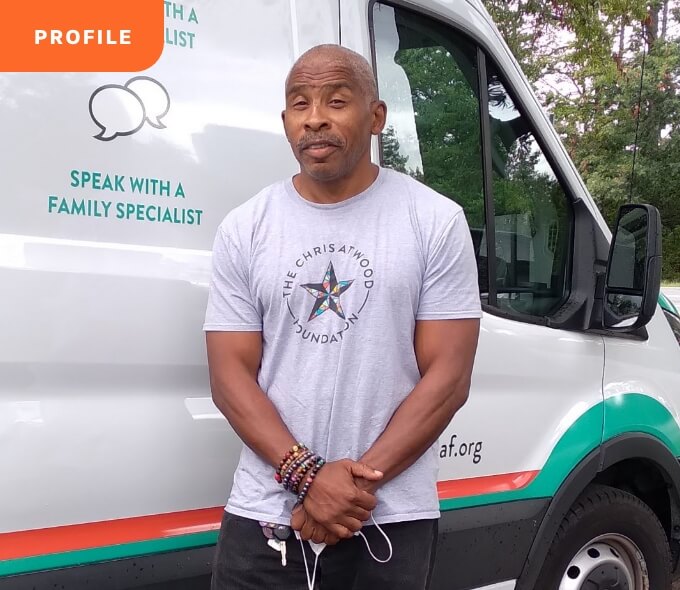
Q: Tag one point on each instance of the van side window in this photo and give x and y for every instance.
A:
(429, 77)
(429, 80)
(532, 215)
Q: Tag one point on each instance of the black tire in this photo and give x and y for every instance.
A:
(602, 510)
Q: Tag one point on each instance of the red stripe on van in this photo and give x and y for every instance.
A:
(489, 484)
(110, 532)
(91, 535)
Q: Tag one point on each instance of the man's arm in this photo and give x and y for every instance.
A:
(445, 351)
(234, 360)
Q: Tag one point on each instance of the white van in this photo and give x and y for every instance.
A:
(561, 472)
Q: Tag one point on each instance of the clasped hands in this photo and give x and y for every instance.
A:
(338, 502)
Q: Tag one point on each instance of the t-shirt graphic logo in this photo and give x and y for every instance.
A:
(347, 305)
(327, 294)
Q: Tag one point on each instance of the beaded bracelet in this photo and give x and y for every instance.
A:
(291, 478)
(292, 468)
(288, 459)
(298, 476)
(290, 463)
(310, 480)
(297, 470)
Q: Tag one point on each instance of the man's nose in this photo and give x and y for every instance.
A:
(317, 118)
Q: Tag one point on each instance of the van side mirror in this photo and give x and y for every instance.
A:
(633, 279)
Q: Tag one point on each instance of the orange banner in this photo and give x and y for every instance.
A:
(80, 35)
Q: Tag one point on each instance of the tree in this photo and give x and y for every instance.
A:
(447, 119)
(585, 59)
(392, 158)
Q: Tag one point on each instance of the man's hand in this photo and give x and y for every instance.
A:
(367, 485)
(310, 529)
(335, 501)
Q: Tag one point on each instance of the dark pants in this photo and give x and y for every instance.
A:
(244, 561)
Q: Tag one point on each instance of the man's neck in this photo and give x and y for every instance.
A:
(335, 191)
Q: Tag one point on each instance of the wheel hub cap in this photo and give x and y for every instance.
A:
(610, 562)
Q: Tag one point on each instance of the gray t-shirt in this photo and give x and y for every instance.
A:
(336, 291)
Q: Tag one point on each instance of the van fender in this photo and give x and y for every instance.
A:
(633, 445)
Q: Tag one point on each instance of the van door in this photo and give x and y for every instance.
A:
(114, 185)
(461, 120)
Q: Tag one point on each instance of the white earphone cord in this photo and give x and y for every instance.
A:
(384, 534)
(317, 548)
(312, 580)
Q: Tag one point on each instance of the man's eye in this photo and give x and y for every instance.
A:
(337, 102)
(299, 103)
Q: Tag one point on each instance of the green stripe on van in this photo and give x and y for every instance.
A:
(667, 304)
(98, 554)
(630, 412)
(635, 412)
(625, 413)
(582, 437)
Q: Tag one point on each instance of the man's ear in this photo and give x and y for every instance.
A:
(283, 119)
(379, 114)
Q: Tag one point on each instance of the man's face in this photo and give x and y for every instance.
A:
(329, 119)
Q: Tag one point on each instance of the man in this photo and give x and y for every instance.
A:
(343, 315)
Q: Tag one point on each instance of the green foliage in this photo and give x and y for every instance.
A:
(445, 101)
(447, 117)
(529, 203)
(671, 255)
(392, 158)
(585, 59)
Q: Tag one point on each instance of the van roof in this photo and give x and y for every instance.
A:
(455, 6)
(460, 11)
(478, 4)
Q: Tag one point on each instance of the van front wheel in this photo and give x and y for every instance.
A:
(608, 540)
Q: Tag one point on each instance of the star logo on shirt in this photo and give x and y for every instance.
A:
(327, 294)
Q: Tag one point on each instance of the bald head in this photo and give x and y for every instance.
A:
(336, 55)
(332, 111)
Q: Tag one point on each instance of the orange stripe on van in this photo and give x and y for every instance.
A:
(91, 535)
(489, 484)
(111, 532)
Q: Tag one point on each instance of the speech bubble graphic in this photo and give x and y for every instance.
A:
(154, 97)
(116, 110)
(122, 110)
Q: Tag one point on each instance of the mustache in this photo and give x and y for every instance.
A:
(310, 139)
